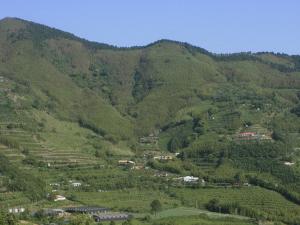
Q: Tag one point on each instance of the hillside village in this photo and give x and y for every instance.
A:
(59, 190)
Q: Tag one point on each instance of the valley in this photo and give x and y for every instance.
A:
(168, 133)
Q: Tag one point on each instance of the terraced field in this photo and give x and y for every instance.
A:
(13, 199)
(41, 151)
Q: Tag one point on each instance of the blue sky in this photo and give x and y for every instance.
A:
(220, 26)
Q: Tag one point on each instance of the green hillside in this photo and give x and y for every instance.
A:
(73, 107)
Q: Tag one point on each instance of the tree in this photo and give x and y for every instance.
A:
(238, 177)
(97, 154)
(296, 110)
(174, 144)
(11, 219)
(2, 217)
(278, 136)
(213, 205)
(155, 206)
(127, 222)
(112, 223)
(7, 218)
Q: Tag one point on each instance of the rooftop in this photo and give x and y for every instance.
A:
(86, 209)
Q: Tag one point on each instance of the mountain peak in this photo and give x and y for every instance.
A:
(12, 23)
(8, 18)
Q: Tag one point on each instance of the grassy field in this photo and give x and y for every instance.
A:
(192, 220)
(256, 198)
(184, 215)
(186, 211)
(131, 199)
(202, 220)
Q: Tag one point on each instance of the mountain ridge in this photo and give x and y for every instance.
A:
(142, 46)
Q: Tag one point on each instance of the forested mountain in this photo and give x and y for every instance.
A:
(139, 89)
(64, 99)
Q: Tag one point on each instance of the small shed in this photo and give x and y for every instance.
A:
(126, 163)
(59, 198)
(190, 179)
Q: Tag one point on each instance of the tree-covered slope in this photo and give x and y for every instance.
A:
(130, 92)
(125, 93)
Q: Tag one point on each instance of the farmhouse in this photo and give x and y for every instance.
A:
(247, 136)
(289, 163)
(163, 157)
(137, 167)
(76, 184)
(59, 198)
(190, 179)
(161, 174)
(126, 163)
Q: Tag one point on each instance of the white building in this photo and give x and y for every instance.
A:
(76, 184)
(59, 198)
(289, 163)
(126, 163)
(16, 210)
(189, 179)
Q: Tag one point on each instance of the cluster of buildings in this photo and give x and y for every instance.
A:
(163, 157)
(131, 164)
(58, 197)
(99, 214)
(75, 183)
(16, 210)
(248, 136)
(191, 180)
